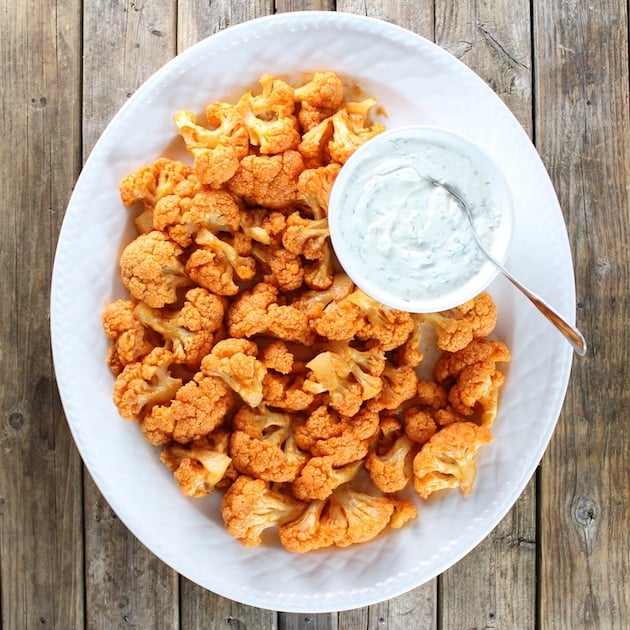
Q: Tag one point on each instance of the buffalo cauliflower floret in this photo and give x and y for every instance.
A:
(130, 340)
(216, 265)
(257, 312)
(148, 184)
(390, 463)
(313, 303)
(312, 529)
(189, 332)
(286, 391)
(198, 407)
(419, 423)
(345, 439)
(477, 390)
(321, 97)
(352, 129)
(181, 217)
(264, 447)
(314, 145)
(431, 394)
(145, 383)
(151, 269)
(305, 236)
(449, 459)
(314, 188)
(268, 180)
(250, 506)
(409, 353)
(448, 367)
(481, 312)
(320, 274)
(234, 360)
(262, 225)
(197, 468)
(216, 152)
(399, 385)
(319, 477)
(269, 118)
(349, 376)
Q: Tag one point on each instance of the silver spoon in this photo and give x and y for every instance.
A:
(571, 333)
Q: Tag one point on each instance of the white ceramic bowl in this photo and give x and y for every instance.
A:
(408, 243)
(416, 82)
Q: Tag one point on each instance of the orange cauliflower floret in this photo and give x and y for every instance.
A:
(287, 391)
(148, 184)
(145, 383)
(305, 236)
(409, 353)
(263, 445)
(181, 217)
(344, 438)
(313, 303)
(199, 467)
(420, 424)
(234, 360)
(481, 312)
(198, 407)
(314, 145)
(269, 117)
(130, 340)
(314, 188)
(250, 506)
(449, 459)
(215, 264)
(352, 129)
(319, 477)
(390, 464)
(268, 180)
(262, 225)
(321, 97)
(448, 367)
(151, 270)
(399, 385)
(257, 312)
(348, 375)
(313, 529)
(216, 152)
(188, 333)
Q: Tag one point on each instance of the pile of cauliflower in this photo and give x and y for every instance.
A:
(260, 370)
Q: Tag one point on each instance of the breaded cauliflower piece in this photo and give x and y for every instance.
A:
(151, 269)
(130, 340)
(449, 459)
(269, 118)
(257, 311)
(145, 383)
(216, 152)
(148, 184)
(197, 409)
(234, 360)
(319, 477)
(197, 468)
(181, 217)
(390, 463)
(189, 332)
(319, 98)
(268, 180)
(250, 506)
(351, 129)
(349, 376)
(263, 446)
(216, 265)
(314, 188)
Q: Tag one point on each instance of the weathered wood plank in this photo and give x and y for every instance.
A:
(41, 553)
(126, 585)
(583, 127)
(495, 585)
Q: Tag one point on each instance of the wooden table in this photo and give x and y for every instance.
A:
(559, 558)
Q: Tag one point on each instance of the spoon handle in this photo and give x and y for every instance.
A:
(571, 333)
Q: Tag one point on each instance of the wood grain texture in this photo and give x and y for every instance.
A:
(126, 585)
(583, 128)
(40, 474)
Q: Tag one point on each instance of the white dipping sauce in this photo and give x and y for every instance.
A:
(407, 242)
